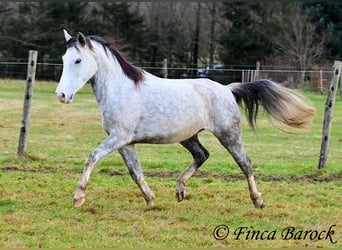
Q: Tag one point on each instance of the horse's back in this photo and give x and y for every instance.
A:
(174, 110)
(188, 95)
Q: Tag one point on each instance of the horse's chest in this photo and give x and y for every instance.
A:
(119, 117)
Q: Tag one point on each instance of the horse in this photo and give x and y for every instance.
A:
(139, 107)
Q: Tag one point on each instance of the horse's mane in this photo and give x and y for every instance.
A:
(132, 72)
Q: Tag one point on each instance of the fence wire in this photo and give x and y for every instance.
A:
(318, 80)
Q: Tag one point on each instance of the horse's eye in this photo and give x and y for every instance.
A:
(78, 61)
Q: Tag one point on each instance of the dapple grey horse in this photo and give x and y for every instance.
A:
(138, 107)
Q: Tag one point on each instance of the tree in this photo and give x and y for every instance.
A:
(183, 32)
(212, 9)
(247, 38)
(166, 32)
(118, 21)
(39, 25)
(328, 18)
(196, 41)
(299, 38)
(15, 23)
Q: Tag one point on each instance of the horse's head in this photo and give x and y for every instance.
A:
(79, 65)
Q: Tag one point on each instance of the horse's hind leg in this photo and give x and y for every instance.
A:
(200, 155)
(231, 140)
(130, 156)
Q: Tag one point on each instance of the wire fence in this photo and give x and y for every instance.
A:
(317, 80)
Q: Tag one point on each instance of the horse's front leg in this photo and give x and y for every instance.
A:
(111, 143)
(130, 156)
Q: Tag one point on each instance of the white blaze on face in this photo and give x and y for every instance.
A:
(79, 65)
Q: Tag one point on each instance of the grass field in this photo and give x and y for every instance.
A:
(36, 193)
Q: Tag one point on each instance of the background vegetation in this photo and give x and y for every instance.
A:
(36, 194)
(286, 33)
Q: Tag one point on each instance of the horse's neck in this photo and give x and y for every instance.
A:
(109, 79)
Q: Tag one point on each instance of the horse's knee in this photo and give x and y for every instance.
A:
(248, 160)
(90, 160)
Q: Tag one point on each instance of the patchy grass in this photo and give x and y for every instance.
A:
(36, 193)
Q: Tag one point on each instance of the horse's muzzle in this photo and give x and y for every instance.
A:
(63, 98)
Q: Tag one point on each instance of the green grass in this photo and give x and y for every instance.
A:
(36, 193)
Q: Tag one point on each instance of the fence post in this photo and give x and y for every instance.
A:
(321, 81)
(340, 86)
(165, 67)
(257, 71)
(31, 72)
(328, 114)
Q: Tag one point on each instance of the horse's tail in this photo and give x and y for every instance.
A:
(284, 105)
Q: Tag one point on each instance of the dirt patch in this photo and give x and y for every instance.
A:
(313, 179)
(273, 178)
(111, 172)
(175, 174)
(16, 169)
(221, 177)
(200, 174)
(227, 177)
(31, 158)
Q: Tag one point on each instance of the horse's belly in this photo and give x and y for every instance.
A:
(167, 132)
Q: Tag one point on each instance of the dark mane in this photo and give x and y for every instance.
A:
(132, 72)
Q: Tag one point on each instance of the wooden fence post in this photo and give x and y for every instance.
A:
(328, 114)
(257, 71)
(165, 67)
(31, 72)
(321, 81)
(340, 86)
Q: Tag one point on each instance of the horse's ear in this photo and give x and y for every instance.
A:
(81, 39)
(67, 36)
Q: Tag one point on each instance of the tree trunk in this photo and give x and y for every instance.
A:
(196, 40)
(212, 35)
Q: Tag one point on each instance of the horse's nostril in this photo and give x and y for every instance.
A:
(61, 97)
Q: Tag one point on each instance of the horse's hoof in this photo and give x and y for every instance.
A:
(180, 196)
(150, 202)
(79, 202)
(259, 204)
(263, 204)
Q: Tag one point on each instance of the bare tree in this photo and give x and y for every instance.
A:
(205, 24)
(196, 41)
(209, 32)
(213, 13)
(299, 39)
(165, 28)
